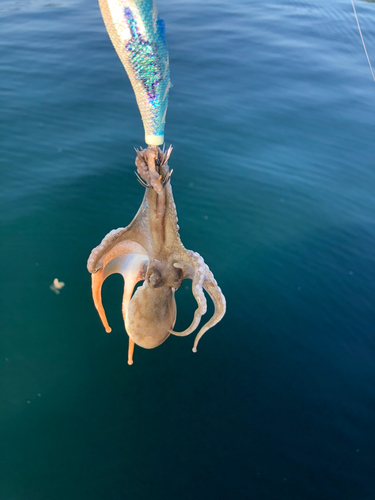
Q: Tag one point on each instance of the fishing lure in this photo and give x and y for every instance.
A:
(138, 35)
(149, 249)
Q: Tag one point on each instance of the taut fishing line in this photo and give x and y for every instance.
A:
(363, 42)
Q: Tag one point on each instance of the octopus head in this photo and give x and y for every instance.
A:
(152, 311)
(151, 314)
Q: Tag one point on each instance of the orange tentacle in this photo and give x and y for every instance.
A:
(96, 284)
(130, 351)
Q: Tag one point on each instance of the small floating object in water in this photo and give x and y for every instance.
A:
(57, 286)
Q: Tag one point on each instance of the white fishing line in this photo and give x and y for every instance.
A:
(363, 42)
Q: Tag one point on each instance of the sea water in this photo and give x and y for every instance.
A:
(272, 120)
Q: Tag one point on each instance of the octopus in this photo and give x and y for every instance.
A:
(149, 249)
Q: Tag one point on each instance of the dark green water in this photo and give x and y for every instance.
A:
(272, 118)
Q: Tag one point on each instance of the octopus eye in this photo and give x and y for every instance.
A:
(154, 278)
(178, 277)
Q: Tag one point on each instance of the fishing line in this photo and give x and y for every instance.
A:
(363, 42)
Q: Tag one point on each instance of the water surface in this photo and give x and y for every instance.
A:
(272, 117)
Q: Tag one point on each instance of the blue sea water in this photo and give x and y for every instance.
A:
(272, 119)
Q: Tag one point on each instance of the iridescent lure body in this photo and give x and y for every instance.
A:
(138, 36)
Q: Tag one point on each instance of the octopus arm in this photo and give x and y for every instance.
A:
(218, 299)
(96, 287)
(117, 242)
(198, 276)
(132, 267)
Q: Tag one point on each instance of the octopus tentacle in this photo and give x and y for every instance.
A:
(198, 279)
(150, 163)
(100, 250)
(218, 299)
(133, 269)
(96, 286)
(113, 245)
(147, 163)
(130, 351)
